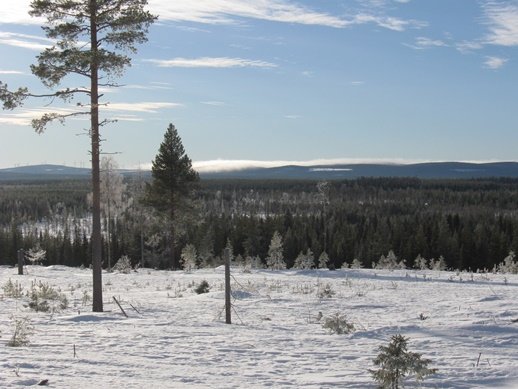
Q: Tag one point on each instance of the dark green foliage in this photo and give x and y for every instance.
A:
(395, 362)
(203, 287)
(171, 187)
(172, 173)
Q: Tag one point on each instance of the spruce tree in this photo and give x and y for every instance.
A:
(172, 186)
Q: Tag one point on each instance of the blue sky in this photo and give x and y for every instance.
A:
(281, 81)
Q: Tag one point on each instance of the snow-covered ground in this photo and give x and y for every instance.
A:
(175, 338)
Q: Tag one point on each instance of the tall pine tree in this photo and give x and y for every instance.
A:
(172, 186)
(91, 39)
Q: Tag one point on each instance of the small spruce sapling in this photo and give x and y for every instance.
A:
(395, 363)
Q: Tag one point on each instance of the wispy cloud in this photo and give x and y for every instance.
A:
(422, 43)
(230, 11)
(236, 11)
(122, 111)
(494, 63)
(292, 117)
(211, 62)
(10, 72)
(501, 19)
(145, 107)
(25, 41)
(469, 46)
(214, 103)
(147, 87)
(388, 22)
(24, 117)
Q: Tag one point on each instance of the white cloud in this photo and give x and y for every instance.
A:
(153, 86)
(31, 42)
(234, 11)
(292, 117)
(211, 62)
(227, 11)
(214, 103)
(469, 46)
(231, 165)
(10, 72)
(502, 21)
(146, 107)
(24, 117)
(494, 63)
(388, 22)
(427, 42)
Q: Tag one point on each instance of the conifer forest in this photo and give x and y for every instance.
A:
(471, 224)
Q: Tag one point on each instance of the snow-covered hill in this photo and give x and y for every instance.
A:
(174, 338)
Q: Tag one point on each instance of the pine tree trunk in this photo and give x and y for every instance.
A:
(97, 298)
(172, 263)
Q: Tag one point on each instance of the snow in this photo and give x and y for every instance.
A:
(175, 338)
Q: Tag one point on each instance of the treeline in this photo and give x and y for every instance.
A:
(471, 223)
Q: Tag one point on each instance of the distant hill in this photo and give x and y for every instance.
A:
(47, 172)
(43, 172)
(453, 170)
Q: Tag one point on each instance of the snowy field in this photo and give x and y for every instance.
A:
(174, 338)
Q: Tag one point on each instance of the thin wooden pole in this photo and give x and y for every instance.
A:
(228, 304)
(21, 255)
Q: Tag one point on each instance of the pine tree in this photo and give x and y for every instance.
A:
(111, 29)
(172, 186)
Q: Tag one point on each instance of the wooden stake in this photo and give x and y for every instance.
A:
(21, 255)
(122, 310)
(228, 305)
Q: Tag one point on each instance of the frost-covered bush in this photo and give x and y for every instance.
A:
(439, 264)
(420, 263)
(323, 260)
(304, 261)
(275, 259)
(395, 362)
(508, 265)
(123, 265)
(338, 324)
(13, 289)
(22, 329)
(35, 255)
(189, 257)
(44, 298)
(390, 262)
(356, 264)
(326, 292)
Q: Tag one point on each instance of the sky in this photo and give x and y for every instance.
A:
(270, 82)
